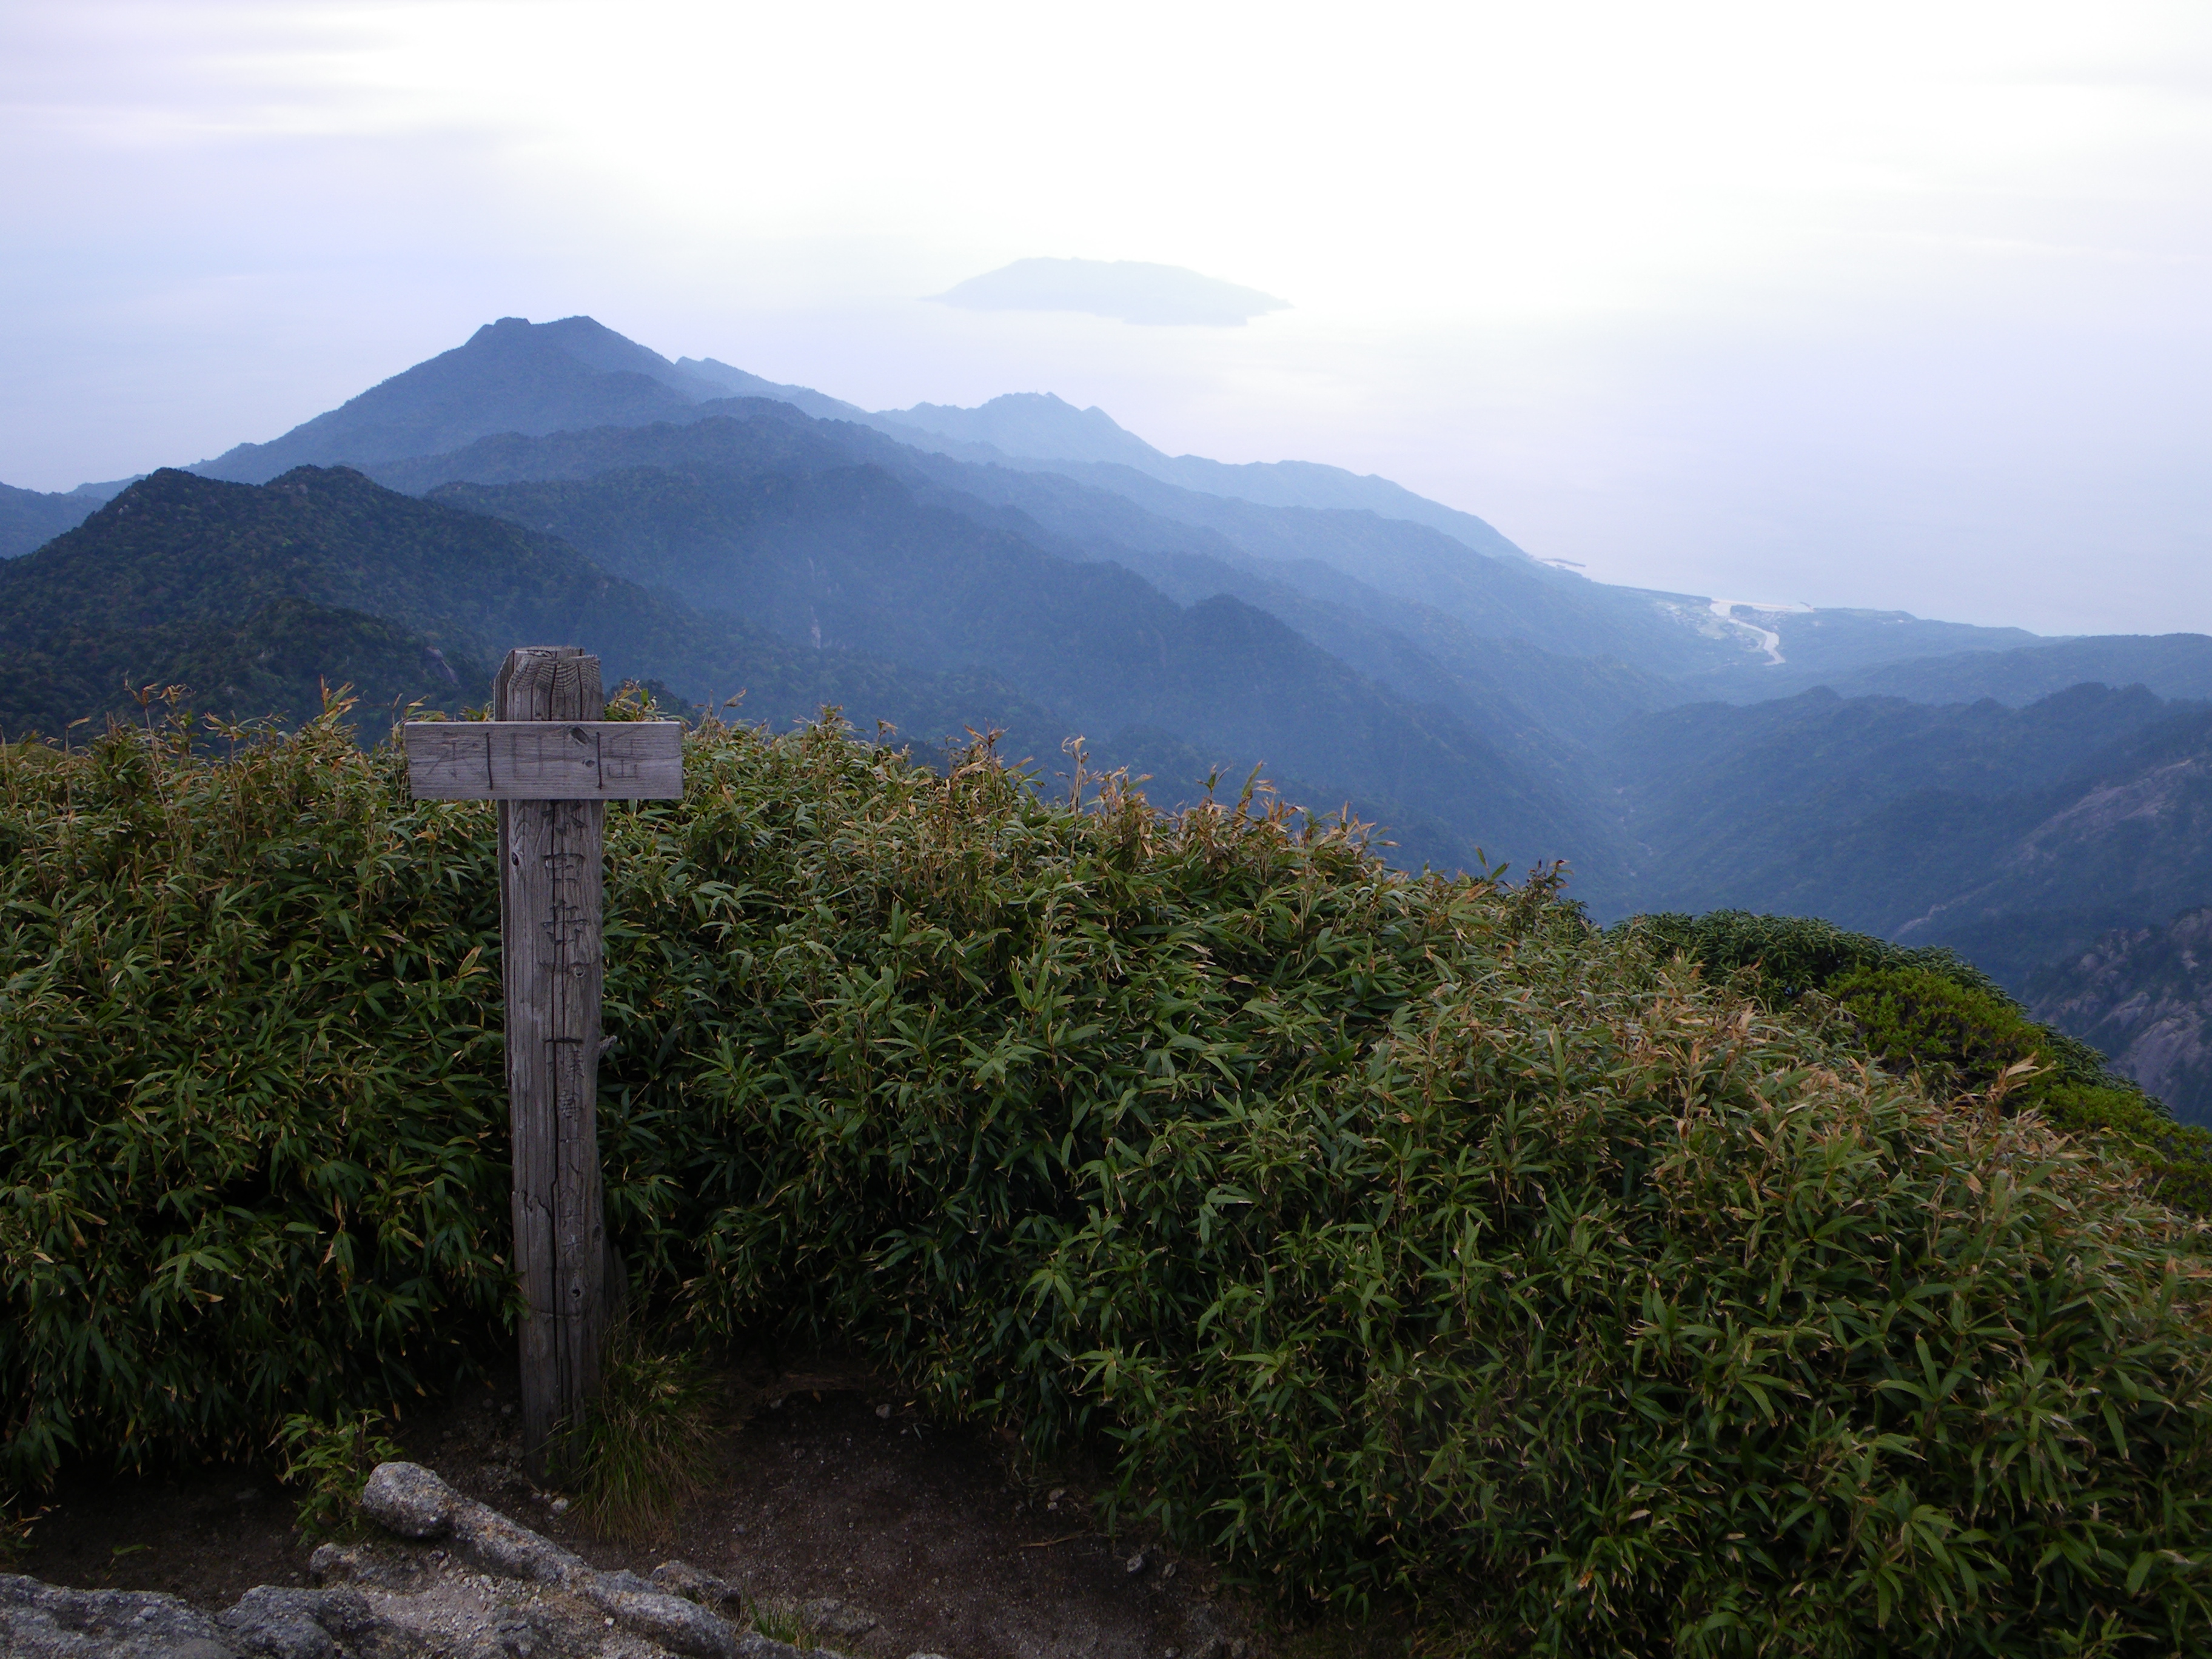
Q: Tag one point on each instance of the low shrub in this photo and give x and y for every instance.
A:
(1394, 1235)
(1788, 956)
(1926, 1010)
(333, 1461)
(251, 1147)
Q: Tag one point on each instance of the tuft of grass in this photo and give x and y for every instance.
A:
(334, 1460)
(785, 1622)
(642, 1452)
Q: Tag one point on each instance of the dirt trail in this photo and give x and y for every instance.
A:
(827, 1486)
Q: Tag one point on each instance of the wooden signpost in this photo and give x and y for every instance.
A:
(552, 766)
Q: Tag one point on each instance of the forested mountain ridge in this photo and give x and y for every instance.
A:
(274, 661)
(1520, 693)
(233, 590)
(1036, 426)
(2011, 836)
(1035, 431)
(2051, 845)
(2177, 666)
(513, 376)
(852, 556)
(252, 595)
(510, 375)
(1305, 520)
(30, 518)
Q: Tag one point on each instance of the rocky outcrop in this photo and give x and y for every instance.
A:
(456, 1580)
(44, 1621)
(408, 1500)
(2144, 997)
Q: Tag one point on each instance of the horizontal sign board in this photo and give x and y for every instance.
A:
(545, 760)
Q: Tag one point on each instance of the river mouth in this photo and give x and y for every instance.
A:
(1770, 640)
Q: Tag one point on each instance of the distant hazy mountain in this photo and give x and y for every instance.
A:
(1313, 525)
(736, 383)
(1035, 567)
(1841, 649)
(1531, 657)
(2008, 834)
(1130, 289)
(2143, 995)
(31, 517)
(1033, 428)
(1519, 694)
(1489, 620)
(1318, 549)
(1037, 427)
(794, 526)
(511, 376)
(2171, 665)
(1031, 424)
(250, 595)
(536, 378)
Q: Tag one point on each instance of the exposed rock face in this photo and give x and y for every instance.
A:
(42, 1621)
(467, 1583)
(2144, 996)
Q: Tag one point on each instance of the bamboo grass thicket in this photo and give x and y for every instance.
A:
(1393, 1236)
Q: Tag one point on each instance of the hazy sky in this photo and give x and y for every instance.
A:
(1868, 304)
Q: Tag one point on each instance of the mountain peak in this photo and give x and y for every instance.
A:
(513, 376)
(510, 375)
(593, 344)
(1036, 424)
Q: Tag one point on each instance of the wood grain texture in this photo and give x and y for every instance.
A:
(545, 760)
(550, 928)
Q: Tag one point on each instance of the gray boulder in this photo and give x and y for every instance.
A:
(45, 1622)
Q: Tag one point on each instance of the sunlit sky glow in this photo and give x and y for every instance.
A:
(1882, 305)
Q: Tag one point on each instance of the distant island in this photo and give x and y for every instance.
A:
(1130, 290)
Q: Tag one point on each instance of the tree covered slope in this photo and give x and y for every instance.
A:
(249, 595)
(2005, 833)
(852, 556)
(31, 517)
(830, 587)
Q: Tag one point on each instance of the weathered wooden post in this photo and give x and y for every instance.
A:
(552, 765)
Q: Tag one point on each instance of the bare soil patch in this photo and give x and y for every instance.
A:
(828, 1487)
